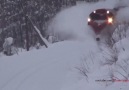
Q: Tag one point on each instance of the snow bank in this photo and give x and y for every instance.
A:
(47, 69)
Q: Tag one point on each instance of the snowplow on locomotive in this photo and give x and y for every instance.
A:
(101, 19)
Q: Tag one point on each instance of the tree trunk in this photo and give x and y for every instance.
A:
(27, 34)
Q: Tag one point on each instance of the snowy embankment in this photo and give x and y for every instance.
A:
(59, 66)
(46, 69)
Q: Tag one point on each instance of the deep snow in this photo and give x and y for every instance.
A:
(46, 69)
(56, 68)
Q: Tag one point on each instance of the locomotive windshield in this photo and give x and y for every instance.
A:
(96, 16)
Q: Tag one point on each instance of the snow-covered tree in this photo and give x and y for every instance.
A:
(7, 46)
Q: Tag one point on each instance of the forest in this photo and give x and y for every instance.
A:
(17, 18)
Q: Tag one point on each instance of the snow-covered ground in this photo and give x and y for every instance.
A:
(73, 64)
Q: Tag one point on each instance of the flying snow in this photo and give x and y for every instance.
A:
(71, 23)
(123, 15)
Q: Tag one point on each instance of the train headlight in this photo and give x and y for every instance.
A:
(89, 19)
(110, 20)
(108, 12)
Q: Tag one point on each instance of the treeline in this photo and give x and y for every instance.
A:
(14, 21)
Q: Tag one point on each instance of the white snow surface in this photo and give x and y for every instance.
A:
(56, 67)
(46, 69)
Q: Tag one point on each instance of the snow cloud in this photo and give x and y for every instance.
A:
(71, 23)
(122, 3)
(123, 15)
